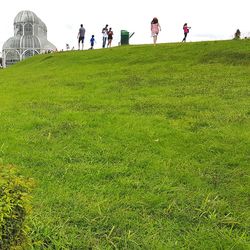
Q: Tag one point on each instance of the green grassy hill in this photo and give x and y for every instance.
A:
(135, 147)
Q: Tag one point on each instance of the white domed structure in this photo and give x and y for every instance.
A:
(30, 38)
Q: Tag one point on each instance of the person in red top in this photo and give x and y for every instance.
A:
(186, 31)
(110, 37)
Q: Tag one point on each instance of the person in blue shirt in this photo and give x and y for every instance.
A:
(92, 41)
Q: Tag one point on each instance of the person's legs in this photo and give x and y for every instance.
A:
(109, 42)
(155, 39)
(79, 40)
(82, 42)
(104, 41)
(185, 36)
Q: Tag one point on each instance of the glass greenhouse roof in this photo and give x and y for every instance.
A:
(30, 38)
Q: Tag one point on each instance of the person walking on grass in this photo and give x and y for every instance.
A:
(104, 36)
(155, 29)
(92, 42)
(186, 31)
(237, 34)
(80, 36)
(110, 37)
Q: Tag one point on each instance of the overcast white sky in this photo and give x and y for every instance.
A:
(209, 19)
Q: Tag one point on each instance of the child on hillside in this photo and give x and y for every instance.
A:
(237, 34)
(155, 29)
(92, 41)
(110, 37)
(186, 31)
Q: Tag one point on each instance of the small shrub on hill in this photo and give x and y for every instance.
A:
(14, 207)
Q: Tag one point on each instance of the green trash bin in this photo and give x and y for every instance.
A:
(124, 37)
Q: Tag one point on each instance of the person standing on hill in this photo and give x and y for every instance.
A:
(155, 29)
(80, 36)
(237, 34)
(92, 42)
(186, 31)
(104, 36)
(110, 37)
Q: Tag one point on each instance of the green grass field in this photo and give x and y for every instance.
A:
(134, 147)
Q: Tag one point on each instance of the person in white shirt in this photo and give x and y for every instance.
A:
(105, 36)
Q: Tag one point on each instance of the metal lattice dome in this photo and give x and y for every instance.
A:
(24, 42)
(26, 16)
(30, 38)
(12, 43)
